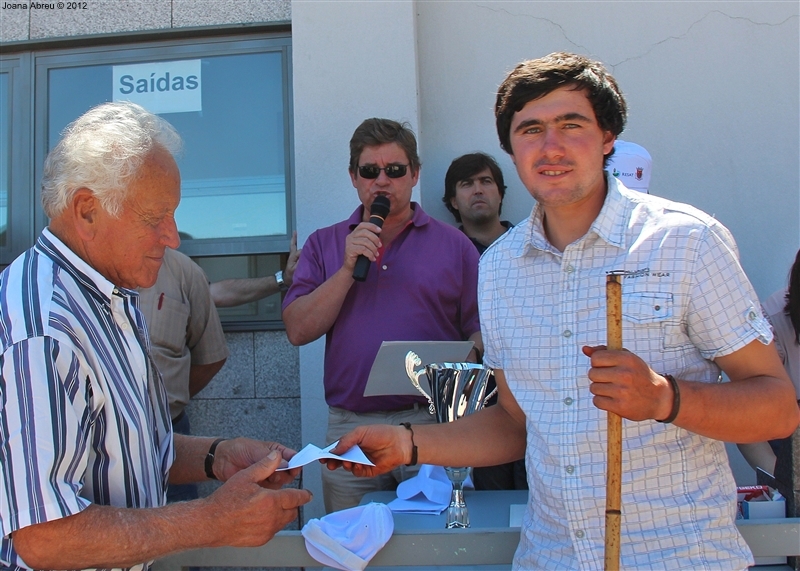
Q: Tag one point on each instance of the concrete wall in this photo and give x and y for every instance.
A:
(118, 16)
(255, 394)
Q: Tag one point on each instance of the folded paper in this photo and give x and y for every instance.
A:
(311, 453)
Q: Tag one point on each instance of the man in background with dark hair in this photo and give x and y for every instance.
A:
(689, 313)
(473, 191)
(421, 286)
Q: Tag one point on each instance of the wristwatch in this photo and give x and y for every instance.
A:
(281, 284)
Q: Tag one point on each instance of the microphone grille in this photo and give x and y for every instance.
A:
(380, 206)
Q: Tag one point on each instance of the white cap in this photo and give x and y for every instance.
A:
(632, 165)
(348, 539)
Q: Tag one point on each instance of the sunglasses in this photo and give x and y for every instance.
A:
(392, 171)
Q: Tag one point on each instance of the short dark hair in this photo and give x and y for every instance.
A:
(536, 78)
(375, 132)
(467, 166)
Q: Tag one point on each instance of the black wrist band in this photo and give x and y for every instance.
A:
(676, 399)
(413, 446)
(210, 458)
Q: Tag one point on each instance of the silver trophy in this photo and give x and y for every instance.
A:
(457, 389)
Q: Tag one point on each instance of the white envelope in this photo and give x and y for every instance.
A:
(311, 453)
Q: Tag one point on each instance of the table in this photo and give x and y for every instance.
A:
(423, 541)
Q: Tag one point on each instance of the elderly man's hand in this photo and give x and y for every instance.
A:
(232, 456)
(245, 513)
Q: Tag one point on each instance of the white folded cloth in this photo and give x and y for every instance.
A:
(349, 539)
(426, 493)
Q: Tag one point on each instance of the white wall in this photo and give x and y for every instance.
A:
(712, 89)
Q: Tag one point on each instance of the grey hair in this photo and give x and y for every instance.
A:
(102, 150)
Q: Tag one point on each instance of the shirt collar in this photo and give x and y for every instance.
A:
(609, 225)
(612, 221)
(419, 218)
(59, 252)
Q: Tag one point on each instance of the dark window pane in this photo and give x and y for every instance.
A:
(219, 268)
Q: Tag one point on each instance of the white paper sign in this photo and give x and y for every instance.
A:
(160, 87)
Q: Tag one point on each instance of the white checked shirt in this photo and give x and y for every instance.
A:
(686, 300)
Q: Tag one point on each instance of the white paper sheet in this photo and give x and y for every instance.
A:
(311, 453)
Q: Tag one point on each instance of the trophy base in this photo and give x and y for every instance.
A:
(457, 514)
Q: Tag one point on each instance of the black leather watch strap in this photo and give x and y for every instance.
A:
(209, 465)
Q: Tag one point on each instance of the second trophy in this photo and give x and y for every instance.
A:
(456, 390)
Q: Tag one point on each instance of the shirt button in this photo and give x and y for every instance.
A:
(570, 268)
(579, 534)
(752, 315)
(385, 267)
(570, 469)
(124, 326)
(567, 333)
(568, 401)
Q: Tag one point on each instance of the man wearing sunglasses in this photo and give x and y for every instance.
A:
(421, 286)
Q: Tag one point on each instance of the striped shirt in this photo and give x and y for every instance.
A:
(686, 301)
(84, 416)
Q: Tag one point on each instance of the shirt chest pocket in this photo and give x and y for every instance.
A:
(168, 326)
(645, 307)
(656, 319)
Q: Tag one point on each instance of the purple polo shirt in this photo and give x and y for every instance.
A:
(423, 289)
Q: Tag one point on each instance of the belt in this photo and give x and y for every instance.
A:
(413, 405)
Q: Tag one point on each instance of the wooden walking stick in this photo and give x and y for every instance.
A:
(614, 470)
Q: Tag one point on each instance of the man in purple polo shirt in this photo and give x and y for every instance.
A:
(421, 285)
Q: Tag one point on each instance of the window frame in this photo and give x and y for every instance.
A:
(168, 50)
(21, 201)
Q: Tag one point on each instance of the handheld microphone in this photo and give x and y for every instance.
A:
(377, 214)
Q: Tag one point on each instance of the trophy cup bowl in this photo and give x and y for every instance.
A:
(456, 390)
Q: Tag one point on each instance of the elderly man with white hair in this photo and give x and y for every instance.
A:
(86, 444)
